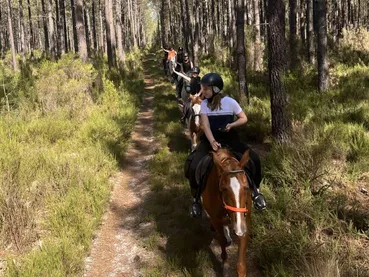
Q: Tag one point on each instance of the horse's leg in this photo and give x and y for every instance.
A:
(227, 234)
(241, 263)
(218, 226)
(242, 247)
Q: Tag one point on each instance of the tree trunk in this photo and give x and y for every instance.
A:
(293, 35)
(22, 29)
(188, 26)
(162, 24)
(258, 55)
(11, 36)
(119, 26)
(74, 21)
(2, 46)
(102, 40)
(94, 35)
(110, 34)
(196, 32)
(51, 30)
(323, 79)
(281, 124)
(87, 30)
(241, 53)
(46, 32)
(59, 31)
(310, 31)
(64, 24)
(82, 45)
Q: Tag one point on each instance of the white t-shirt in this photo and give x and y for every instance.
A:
(219, 119)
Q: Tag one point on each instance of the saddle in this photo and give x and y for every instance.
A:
(206, 164)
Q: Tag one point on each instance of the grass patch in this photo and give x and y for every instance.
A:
(57, 155)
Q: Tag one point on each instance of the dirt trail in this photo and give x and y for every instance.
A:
(116, 250)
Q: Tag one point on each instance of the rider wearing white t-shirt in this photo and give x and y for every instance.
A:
(218, 114)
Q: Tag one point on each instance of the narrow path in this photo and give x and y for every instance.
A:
(116, 250)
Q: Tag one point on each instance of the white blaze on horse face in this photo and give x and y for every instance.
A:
(197, 108)
(240, 225)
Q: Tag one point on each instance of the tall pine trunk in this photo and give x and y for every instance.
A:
(258, 54)
(310, 31)
(110, 34)
(241, 53)
(281, 124)
(81, 36)
(321, 28)
(293, 35)
(119, 25)
(51, 30)
(11, 36)
(94, 34)
(46, 32)
(74, 22)
(196, 32)
(64, 23)
(22, 29)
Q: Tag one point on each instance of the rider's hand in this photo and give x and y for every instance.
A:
(215, 145)
(228, 127)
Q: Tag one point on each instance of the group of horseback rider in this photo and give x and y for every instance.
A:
(218, 113)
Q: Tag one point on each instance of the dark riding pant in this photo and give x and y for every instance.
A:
(179, 87)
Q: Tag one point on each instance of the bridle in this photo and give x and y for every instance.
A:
(226, 173)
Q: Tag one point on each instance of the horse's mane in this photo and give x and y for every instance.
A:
(225, 156)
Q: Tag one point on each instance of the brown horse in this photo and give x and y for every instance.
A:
(227, 200)
(193, 121)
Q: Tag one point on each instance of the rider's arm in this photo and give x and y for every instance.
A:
(165, 50)
(182, 75)
(241, 119)
(241, 116)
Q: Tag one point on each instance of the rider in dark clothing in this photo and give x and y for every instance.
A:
(185, 66)
(217, 119)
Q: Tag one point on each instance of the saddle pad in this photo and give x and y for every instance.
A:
(203, 169)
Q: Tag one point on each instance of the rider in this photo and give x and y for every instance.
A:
(180, 55)
(217, 117)
(171, 56)
(184, 67)
(193, 88)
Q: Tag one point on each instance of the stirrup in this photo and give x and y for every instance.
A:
(259, 202)
(196, 209)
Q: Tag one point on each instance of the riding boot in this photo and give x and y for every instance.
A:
(258, 199)
(196, 207)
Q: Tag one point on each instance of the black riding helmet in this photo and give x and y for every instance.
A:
(180, 48)
(196, 69)
(185, 54)
(214, 80)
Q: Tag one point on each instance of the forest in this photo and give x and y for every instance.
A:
(73, 75)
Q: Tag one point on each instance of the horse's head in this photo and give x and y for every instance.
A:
(196, 107)
(233, 187)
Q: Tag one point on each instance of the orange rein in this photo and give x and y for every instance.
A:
(231, 208)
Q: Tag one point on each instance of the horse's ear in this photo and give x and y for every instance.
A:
(245, 158)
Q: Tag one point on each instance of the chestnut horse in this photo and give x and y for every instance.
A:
(193, 121)
(227, 201)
